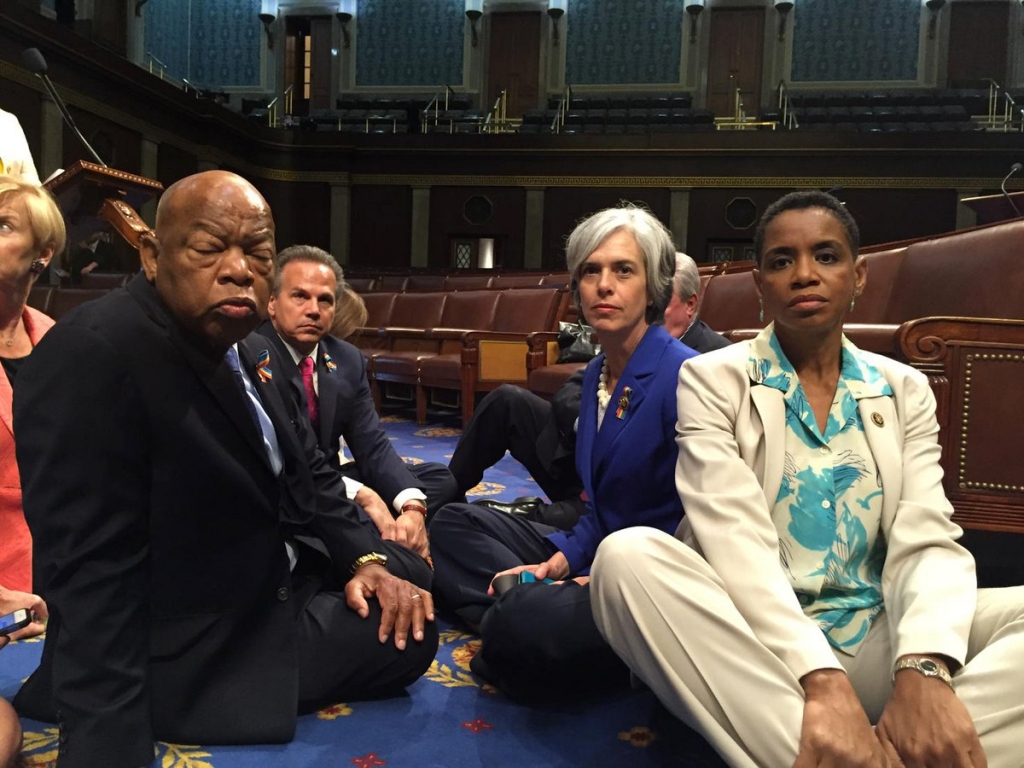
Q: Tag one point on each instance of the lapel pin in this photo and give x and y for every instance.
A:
(263, 366)
(876, 417)
(329, 364)
(623, 402)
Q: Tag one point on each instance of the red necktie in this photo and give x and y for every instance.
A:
(306, 369)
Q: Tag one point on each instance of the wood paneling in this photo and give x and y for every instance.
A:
(117, 146)
(173, 164)
(302, 212)
(514, 61)
(978, 42)
(323, 61)
(381, 228)
(737, 52)
(564, 208)
(506, 223)
(883, 216)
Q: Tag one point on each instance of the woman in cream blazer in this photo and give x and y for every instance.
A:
(815, 588)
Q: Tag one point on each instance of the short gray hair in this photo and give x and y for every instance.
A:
(653, 239)
(315, 255)
(687, 279)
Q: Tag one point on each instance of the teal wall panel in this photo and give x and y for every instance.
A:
(621, 42)
(839, 40)
(409, 42)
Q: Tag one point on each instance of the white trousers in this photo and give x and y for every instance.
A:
(666, 613)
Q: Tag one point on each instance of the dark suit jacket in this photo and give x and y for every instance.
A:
(700, 338)
(628, 466)
(159, 534)
(346, 410)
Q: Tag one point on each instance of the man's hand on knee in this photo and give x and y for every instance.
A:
(404, 606)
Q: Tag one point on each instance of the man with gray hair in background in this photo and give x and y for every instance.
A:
(681, 314)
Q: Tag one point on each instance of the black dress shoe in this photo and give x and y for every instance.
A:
(529, 507)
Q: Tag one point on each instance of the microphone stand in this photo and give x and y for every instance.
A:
(1015, 168)
(34, 59)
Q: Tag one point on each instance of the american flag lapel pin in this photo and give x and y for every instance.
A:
(263, 366)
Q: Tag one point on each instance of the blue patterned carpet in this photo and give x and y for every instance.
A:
(449, 718)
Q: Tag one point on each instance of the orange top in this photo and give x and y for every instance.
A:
(15, 539)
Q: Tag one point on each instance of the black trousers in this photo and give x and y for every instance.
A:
(515, 420)
(340, 655)
(539, 641)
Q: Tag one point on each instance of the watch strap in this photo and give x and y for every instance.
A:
(373, 558)
(924, 666)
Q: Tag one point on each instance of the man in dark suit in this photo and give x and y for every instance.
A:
(205, 576)
(326, 378)
(681, 314)
(542, 436)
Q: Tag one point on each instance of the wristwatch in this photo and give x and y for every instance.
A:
(374, 558)
(926, 667)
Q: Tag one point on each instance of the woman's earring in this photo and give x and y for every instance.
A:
(853, 302)
(38, 265)
(760, 310)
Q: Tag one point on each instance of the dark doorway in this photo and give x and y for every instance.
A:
(307, 66)
(978, 43)
(514, 61)
(737, 53)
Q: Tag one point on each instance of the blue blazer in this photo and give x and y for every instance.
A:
(628, 466)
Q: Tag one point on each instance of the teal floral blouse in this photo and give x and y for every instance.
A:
(829, 506)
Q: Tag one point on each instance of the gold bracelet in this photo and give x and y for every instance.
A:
(374, 558)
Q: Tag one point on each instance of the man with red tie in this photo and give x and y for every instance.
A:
(327, 378)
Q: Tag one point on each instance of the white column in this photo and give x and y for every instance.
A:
(341, 216)
(965, 217)
(420, 227)
(150, 160)
(533, 239)
(679, 217)
(51, 152)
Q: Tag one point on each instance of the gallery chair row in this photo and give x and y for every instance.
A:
(458, 282)
(462, 342)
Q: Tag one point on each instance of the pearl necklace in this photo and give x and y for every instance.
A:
(603, 398)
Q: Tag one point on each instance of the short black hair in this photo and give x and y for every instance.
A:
(798, 201)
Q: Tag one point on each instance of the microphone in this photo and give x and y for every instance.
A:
(36, 64)
(1015, 168)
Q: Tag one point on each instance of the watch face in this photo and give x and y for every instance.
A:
(929, 666)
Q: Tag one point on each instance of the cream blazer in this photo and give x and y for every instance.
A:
(731, 436)
(15, 156)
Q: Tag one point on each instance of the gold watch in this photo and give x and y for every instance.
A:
(926, 667)
(374, 558)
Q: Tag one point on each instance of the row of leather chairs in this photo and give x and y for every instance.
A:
(458, 282)
(451, 345)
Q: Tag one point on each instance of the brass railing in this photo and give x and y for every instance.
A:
(1003, 113)
(563, 109)
(785, 105)
(738, 120)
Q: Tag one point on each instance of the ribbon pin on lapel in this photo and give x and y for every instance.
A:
(263, 366)
(627, 393)
(329, 364)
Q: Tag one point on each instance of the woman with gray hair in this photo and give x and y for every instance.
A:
(540, 639)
